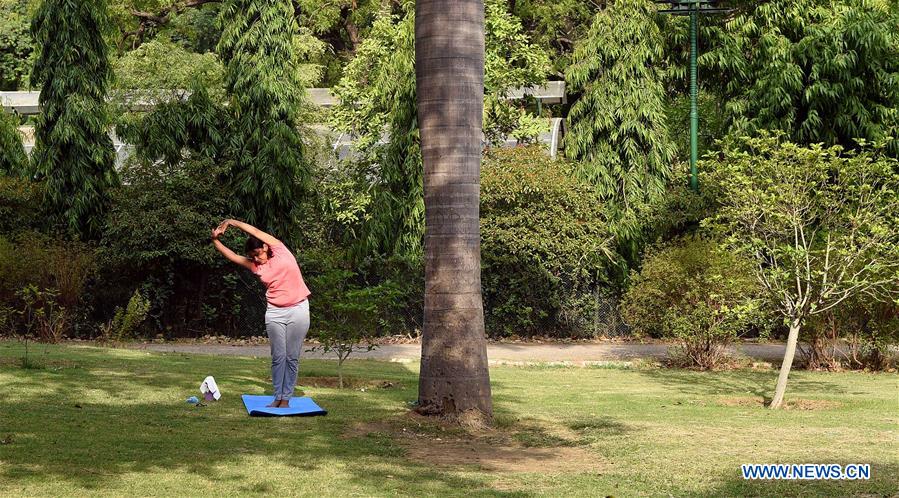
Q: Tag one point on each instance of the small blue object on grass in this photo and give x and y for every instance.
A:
(299, 407)
(193, 400)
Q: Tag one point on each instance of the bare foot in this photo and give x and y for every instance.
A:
(285, 403)
(274, 404)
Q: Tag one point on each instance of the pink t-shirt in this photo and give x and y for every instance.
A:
(281, 276)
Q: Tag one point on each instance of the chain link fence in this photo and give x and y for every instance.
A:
(250, 298)
(607, 321)
(602, 319)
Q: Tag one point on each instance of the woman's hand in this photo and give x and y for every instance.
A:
(249, 229)
(224, 225)
(228, 253)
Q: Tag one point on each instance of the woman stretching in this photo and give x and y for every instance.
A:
(287, 315)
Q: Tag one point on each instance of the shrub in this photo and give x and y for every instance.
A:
(125, 321)
(544, 245)
(157, 237)
(21, 204)
(44, 280)
(695, 292)
(873, 345)
(42, 315)
(860, 334)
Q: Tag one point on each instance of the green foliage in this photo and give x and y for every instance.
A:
(269, 171)
(874, 335)
(41, 314)
(861, 334)
(73, 152)
(341, 25)
(125, 321)
(13, 159)
(555, 25)
(510, 61)
(348, 316)
(713, 123)
(617, 123)
(193, 27)
(544, 245)
(197, 29)
(377, 101)
(20, 205)
(819, 224)
(157, 237)
(680, 211)
(165, 213)
(179, 130)
(16, 44)
(696, 292)
(164, 65)
(342, 204)
(46, 288)
(63, 266)
(819, 71)
(377, 98)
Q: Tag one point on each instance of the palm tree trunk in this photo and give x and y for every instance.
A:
(790, 352)
(449, 55)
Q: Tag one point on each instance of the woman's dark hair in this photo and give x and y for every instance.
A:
(252, 244)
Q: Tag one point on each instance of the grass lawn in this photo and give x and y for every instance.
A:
(112, 422)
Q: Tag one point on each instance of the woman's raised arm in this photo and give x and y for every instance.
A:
(228, 253)
(249, 229)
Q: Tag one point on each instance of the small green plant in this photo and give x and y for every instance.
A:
(353, 322)
(351, 316)
(125, 321)
(40, 318)
(42, 315)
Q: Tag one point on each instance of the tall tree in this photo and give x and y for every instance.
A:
(819, 225)
(817, 70)
(617, 121)
(377, 100)
(73, 152)
(449, 70)
(269, 170)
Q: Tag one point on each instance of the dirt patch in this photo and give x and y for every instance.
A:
(440, 444)
(792, 404)
(348, 383)
(504, 458)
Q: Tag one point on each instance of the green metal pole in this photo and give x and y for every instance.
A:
(694, 112)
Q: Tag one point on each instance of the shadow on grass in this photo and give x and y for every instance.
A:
(99, 415)
(883, 482)
(735, 383)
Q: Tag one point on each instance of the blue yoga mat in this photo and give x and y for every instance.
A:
(299, 407)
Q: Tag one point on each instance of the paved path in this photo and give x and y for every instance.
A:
(496, 352)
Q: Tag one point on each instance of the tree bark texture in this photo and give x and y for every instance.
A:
(449, 68)
(790, 352)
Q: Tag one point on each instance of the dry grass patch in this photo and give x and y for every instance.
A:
(793, 404)
(525, 448)
(348, 383)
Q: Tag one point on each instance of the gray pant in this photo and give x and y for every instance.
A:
(286, 329)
